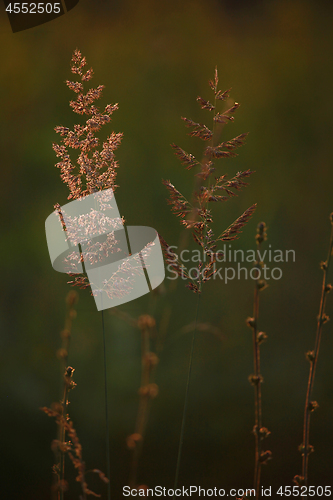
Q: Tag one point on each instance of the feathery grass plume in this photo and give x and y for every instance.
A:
(260, 432)
(197, 216)
(312, 356)
(94, 169)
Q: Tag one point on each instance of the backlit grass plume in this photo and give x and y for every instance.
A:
(197, 215)
(213, 188)
(94, 169)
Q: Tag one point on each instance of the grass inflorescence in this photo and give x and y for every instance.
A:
(197, 215)
(95, 169)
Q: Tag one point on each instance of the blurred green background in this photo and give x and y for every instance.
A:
(154, 58)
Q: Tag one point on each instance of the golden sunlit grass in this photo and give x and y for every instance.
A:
(95, 169)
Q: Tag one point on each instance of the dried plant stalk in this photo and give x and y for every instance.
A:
(60, 485)
(312, 356)
(73, 449)
(67, 372)
(59, 411)
(148, 391)
(260, 432)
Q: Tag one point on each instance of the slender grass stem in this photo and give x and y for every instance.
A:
(256, 379)
(257, 393)
(148, 390)
(62, 354)
(187, 390)
(107, 433)
(313, 358)
(62, 439)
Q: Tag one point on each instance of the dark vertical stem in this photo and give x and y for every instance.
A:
(256, 379)
(62, 439)
(181, 439)
(145, 322)
(107, 433)
(313, 358)
(257, 391)
(62, 353)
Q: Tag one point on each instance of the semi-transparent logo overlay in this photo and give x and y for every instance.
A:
(88, 236)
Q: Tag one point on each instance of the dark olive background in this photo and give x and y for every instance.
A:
(154, 58)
